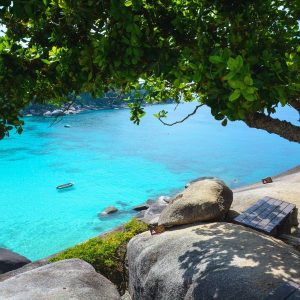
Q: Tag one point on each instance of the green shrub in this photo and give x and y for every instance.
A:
(107, 253)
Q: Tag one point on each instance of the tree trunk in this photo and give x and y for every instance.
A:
(282, 128)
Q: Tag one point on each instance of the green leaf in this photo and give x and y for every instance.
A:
(46, 61)
(128, 3)
(239, 62)
(250, 90)
(235, 95)
(247, 96)
(235, 64)
(248, 80)
(231, 64)
(219, 117)
(229, 76)
(241, 114)
(224, 122)
(235, 84)
(215, 59)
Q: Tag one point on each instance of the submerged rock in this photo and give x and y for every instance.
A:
(140, 207)
(10, 260)
(205, 200)
(108, 210)
(68, 279)
(210, 261)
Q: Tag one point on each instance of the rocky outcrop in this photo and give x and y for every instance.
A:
(57, 113)
(108, 210)
(67, 279)
(209, 261)
(205, 200)
(10, 260)
(161, 200)
(150, 211)
(151, 215)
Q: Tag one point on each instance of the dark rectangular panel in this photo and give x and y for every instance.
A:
(280, 216)
(254, 214)
(250, 209)
(273, 214)
(294, 296)
(265, 215)
(269, 207)
(282, 292)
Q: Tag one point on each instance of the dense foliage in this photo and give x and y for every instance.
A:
(241, 58)
(107, 253)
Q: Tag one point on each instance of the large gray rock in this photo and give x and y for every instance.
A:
(57, 113)
(205, 200)
(47, 114)
(152, 214)
(210, 261)
(68, 279)
(10, 260)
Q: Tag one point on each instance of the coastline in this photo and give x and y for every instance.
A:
(285, 186)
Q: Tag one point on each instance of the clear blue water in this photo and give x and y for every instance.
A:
(114, 162)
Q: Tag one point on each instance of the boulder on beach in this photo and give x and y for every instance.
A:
(47, 114)
(108, 210)
(57, 113)
(68, 279)
(209, 261)
(10, 260)
(205, 200)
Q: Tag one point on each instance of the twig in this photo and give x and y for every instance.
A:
(185, 118)
(59, 118)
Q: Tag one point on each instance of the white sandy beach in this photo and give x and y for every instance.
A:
(285, 186)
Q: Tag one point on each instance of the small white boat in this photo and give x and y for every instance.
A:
(65, 186)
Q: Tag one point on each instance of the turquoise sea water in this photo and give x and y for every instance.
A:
(114, 162)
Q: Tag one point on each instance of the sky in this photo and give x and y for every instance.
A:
(2, 28)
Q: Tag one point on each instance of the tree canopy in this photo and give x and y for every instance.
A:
(240, 58)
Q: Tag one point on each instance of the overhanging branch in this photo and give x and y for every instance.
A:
(295, 104)
(185, 118)
(284, 129)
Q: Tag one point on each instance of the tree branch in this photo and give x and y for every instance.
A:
(185, 118)
(282, 128)
(295, 104)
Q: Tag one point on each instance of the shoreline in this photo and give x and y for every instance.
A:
(285, 186)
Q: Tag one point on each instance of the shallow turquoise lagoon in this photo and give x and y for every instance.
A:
(114, 162)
